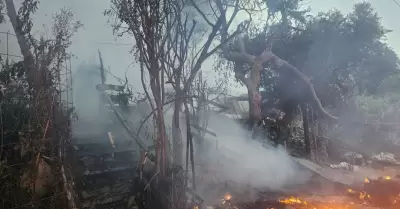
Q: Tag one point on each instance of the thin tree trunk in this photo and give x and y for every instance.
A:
(190, 143)
(322, 141)
(161, 137)
(251, 118)
(176, 133)
(314, 146)
(307, 144)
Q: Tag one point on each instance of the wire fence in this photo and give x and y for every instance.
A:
(9, 50)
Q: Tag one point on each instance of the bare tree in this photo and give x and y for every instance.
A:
(165, 46)
(163, 31)
(145, 21)
(189, 51)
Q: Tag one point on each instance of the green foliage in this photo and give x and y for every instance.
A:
(24, 20)
(390, 85)
(342, 54)
(26, 110)
(288, 10)
(350, 46)
(15, 102)
(2, 11)
(379, 108)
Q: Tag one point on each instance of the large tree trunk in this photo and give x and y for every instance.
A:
(12, 14)
(22, 42)
(252, 85)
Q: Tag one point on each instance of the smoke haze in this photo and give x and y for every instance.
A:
(245, 162)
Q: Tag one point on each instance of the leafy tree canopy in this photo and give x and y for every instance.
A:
(343, 55)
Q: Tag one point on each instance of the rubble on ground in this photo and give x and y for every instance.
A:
(385, 157)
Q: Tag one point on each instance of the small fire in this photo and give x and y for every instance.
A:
(364, 195)
(293, 201)
(358, 197)
(366, 180)
(302, 204)
(227, 200)
(227, 197)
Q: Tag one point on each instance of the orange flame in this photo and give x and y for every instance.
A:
(227, 197)
(366, 180)
(302, 204)
(293, 200)
(361, 194)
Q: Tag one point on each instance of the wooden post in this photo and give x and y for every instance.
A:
(111, 140)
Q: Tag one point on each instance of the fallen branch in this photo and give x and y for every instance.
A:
(140, 143)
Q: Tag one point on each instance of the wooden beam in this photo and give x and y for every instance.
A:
(109, 87)
(111, 140)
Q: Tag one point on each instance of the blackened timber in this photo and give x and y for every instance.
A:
(107, 170)
(102, 193)
(140, 143)
(102, 149)
(103, 201)
(109, 87)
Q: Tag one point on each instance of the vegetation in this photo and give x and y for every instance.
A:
(33, 119)
(316, 67)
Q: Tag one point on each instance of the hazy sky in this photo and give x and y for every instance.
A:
(98, 35)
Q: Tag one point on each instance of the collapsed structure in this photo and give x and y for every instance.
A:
(113, 165)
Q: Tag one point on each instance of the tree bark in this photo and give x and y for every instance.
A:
(22, 42)
(322, 141)
(306, 129)
(177, 134)
(161, 132)
(12, 14)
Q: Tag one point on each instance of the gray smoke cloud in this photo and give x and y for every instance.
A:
(95, 118)
(247, 164)
(87, 102)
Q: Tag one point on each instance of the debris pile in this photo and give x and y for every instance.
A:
(380, 193)
(383, 192)
(385, 157)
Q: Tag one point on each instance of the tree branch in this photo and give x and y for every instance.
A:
(268, 55)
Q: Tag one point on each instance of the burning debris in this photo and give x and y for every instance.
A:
(380, 193)
(383, 192)
(328, 203)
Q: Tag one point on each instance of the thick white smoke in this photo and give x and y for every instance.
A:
(245, 162)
